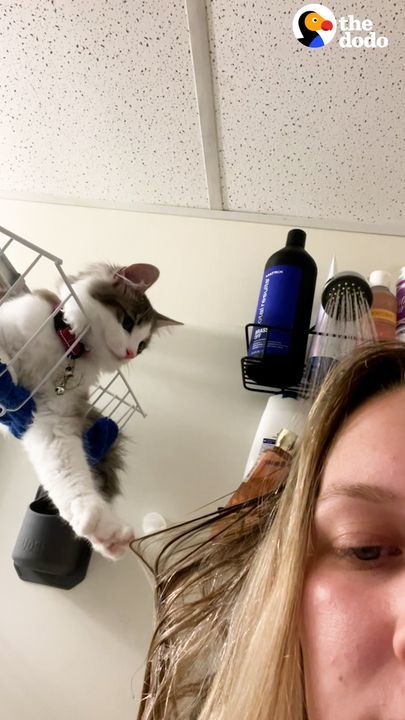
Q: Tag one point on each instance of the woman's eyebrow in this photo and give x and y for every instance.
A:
(363, 491)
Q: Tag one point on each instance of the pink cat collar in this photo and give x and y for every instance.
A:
(67, 337)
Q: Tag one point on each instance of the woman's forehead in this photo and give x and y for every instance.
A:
(370, 446)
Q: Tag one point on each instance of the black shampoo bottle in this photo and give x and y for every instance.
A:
(285, 303)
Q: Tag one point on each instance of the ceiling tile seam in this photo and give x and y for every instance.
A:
(395, 230)
(201, 63)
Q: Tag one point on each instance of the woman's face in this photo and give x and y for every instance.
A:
(353, 615)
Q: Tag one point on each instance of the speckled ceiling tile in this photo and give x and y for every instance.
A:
(97, 102)
(309, 132)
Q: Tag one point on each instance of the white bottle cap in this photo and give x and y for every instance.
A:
(380, 277)
(153, 522)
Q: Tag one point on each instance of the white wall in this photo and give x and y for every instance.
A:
(75, 654)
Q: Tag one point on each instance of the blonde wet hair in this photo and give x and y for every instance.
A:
(227, 640)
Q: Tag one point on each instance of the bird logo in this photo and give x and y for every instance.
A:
(314, 25)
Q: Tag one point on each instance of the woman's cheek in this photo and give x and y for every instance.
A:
(340, 624)
(326, 619)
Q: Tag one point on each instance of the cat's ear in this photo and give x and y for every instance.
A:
(163, 320)
(141, 275)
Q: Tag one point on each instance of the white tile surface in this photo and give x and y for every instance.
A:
(97, 106)
(317, 133)
(97, 102)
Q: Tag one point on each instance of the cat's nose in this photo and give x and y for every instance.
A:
(130, 354)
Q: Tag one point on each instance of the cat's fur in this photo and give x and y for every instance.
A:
(54, 439)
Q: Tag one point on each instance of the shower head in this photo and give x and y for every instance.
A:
(344, 290)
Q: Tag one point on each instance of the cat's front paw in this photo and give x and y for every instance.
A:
(96, 521)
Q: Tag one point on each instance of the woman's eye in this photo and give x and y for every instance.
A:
(141, 346)
(371, 553)
(128, 323)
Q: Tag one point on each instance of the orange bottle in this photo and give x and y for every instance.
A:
(270, 470)
(268, 474)
(384, 306)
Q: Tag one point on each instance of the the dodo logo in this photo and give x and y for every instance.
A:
(314, 25)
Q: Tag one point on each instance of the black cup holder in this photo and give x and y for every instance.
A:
(47, 551)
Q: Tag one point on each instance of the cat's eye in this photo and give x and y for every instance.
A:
(141, 346)
(128, 323)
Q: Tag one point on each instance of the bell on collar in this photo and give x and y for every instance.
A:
(69, 372)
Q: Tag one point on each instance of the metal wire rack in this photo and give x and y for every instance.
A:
(114, 398)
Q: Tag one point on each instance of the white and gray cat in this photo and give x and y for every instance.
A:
(122, 322)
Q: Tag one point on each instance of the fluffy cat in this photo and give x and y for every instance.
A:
(122, 322)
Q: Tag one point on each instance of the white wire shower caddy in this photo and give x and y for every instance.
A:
(114, 399)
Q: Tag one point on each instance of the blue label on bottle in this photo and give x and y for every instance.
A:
(277, 307)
